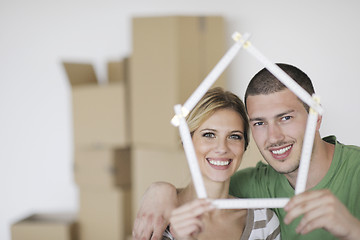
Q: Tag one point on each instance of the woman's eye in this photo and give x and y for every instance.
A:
(236, 136)
(209, 135)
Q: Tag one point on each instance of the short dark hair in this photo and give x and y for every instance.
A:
(264, 82)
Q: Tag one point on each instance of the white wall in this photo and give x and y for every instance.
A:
(321, 37)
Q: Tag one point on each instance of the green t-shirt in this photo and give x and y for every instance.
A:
(343, 180)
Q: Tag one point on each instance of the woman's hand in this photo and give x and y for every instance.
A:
(186, 221)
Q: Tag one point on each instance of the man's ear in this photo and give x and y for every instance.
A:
(318, 122)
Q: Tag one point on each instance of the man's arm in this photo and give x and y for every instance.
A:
(321, 209)
(154, 213)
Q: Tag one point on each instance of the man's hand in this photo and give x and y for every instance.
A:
(154, 213)
(321, 209)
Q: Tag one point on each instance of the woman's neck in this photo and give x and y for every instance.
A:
(214, 190)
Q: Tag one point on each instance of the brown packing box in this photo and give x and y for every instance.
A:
(100, 112)
(105, 214)
(156, 164)
(56, 226)
(117, 70)
(171, 57)
(102, 167)
(80, 73)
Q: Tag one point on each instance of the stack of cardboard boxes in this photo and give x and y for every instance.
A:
(102, 160)
(123, 139)
(170, 58)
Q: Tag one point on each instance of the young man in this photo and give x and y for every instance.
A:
(329, 209)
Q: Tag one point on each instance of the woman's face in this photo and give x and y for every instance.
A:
(219, 145)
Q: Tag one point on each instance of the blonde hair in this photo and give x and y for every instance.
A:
(216, 99)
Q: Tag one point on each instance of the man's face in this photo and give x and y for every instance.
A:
(278, 122)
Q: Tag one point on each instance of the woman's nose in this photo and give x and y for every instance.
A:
(222, 146)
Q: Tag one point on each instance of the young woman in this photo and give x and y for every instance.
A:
(219, 128)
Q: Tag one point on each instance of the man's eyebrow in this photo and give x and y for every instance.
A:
(256, 119)
(276, 116)
(284, 113)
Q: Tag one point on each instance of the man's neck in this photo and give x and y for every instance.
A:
(321, 159)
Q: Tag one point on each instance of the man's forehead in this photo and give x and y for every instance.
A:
(273, 103)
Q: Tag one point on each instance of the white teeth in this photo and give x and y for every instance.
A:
(281, 151)
(219, 163)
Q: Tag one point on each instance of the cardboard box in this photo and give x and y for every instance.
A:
(102, 167)
(54, 226)
(100, 112)
(105, 214)
(171, 57)
(156, 164)
(80, 73)
(117, 71)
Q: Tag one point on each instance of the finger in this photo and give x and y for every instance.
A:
(194, 208)
(185, 223)
(141, 228)
(305, 203)
(147, 229)
(329, 215)
(159, 228)
(300, 209)
(306, 196)
(192, 205)
(187, 229)
(317, 218)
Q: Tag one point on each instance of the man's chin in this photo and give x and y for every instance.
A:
(285, 169)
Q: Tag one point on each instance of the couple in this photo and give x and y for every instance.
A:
(329, 209)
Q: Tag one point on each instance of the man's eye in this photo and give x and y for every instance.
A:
(286, 118)
(258, 123)
(236, 136)
(209, 135)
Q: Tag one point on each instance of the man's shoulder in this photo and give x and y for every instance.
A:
(259, 167)
(348, 147)
(261, 170)
(344, 151)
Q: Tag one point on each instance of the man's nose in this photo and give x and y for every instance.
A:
(275, 133)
